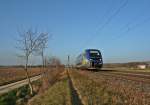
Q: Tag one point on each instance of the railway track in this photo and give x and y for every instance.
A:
(137, 79)
(135, 76)
(140, 78)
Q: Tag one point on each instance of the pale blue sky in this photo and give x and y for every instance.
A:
(119, 28)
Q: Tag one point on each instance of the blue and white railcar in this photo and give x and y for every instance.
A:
(90, 59)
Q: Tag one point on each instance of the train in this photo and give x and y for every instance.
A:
(89, 59)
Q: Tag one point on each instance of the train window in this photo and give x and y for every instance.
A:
(94, 53)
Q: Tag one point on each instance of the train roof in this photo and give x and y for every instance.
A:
(92, 49)
(87, 50)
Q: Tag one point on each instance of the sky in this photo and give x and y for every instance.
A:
(118, 28)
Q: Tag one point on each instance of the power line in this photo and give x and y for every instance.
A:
(132, 28)
(108, 11)
(132, 21)
(129, 27)
(108, 21)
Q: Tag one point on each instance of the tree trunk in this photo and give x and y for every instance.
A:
(45, 75)
(29, 81)
(43, 62)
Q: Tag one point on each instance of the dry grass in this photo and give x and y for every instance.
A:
(12, 74)
(57, 94)
(51, 76)
(107, 92)
(21, 95)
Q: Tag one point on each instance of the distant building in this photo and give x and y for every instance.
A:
(141, 66)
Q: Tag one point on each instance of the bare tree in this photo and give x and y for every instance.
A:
(41, 46)
(28, 43)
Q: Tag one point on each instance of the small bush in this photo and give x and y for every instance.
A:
(22, 92)
(12, 97)
(9, 98)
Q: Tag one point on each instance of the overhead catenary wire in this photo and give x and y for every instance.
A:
(108, 11)
(129, 28)
(109, 19)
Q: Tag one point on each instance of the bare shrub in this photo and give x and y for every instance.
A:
(28, 43)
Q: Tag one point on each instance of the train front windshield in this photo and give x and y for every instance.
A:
(95, 54)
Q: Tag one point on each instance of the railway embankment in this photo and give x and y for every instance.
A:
(62, 92)
(82, 87)
(97, 89)
(20, 95)
(139, 81)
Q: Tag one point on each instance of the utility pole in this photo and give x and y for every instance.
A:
(68, 61)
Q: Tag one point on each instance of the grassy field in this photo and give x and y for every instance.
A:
(57, 94)
(21, 96)
(12, 74)
(55, 89)
(105, 91)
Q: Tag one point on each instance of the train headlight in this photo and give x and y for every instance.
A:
(86, 60)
